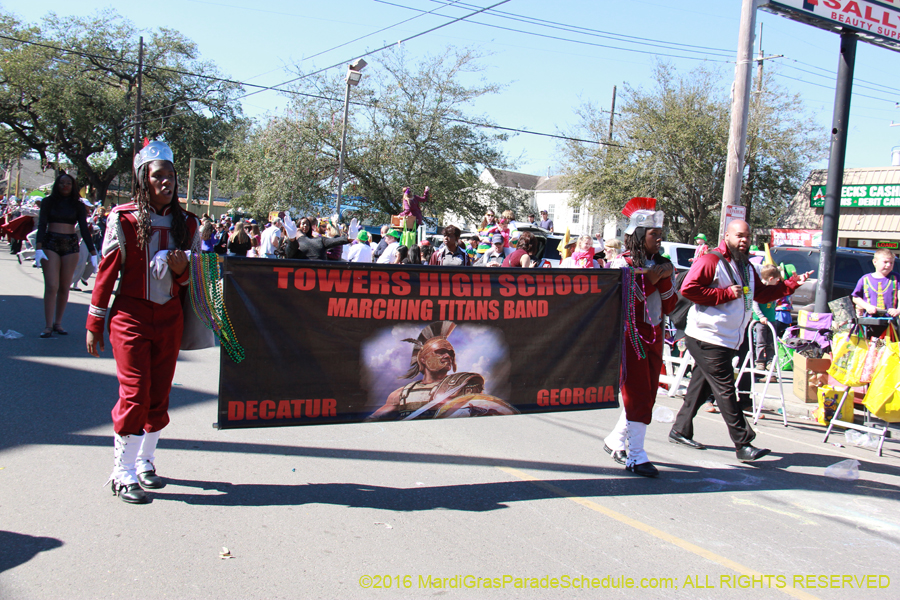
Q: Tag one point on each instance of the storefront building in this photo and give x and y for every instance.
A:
(870, 211)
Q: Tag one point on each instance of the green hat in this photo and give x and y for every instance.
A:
(700, 236)
(666, 255)
(363, 236)
(395, 233)
(754, 248)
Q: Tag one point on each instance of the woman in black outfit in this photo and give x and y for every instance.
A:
(239, 243)
(56, 248)
(313, 248)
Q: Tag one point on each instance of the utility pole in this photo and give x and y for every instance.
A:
(612, 114)
(832, 210)
(759, 63)
(137, 109)
(740, 109)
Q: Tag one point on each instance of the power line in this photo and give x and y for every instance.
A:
(574, 41)
(412, 37)
(595, 32)
(275, 88)
(379, 31)
(856, 84)
(832, 76)
(855, 94)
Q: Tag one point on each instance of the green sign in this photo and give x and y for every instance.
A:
(860, 196)
(890, 245)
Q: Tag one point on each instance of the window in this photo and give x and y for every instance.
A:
(576, 214)
(550, 211)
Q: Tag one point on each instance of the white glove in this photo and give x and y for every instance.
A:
(95, 262)
(159, 264)
(289, 227)
(38, 257)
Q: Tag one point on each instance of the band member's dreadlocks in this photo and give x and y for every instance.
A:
(634, 244)
(142, 200)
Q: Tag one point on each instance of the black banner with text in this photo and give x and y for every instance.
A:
(330, 342)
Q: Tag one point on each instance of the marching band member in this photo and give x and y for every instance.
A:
(144, 247)
(651, 297)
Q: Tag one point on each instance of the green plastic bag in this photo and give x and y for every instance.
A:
(785, 357)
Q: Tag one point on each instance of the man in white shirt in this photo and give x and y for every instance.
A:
(390, 251)
(360, 250)
(269, 240)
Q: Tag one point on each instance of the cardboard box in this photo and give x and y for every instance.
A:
(399, 222)
(807, 374)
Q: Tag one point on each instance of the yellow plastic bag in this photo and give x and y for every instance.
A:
(848, 358)
(883, 396)
(828, 401)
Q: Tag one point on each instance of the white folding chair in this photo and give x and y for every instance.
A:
(749, 366)
(676, 367)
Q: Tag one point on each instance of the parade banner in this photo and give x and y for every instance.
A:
(327, 342)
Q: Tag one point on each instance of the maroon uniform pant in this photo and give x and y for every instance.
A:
(145, 339)
(642, 374)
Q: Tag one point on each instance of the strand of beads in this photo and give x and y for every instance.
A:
(208, 303)
(745, 287)
(226, 335)
(630, 280)
(646, 315)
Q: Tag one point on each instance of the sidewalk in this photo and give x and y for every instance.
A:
(799, 410)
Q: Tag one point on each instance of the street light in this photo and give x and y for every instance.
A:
(353, 78)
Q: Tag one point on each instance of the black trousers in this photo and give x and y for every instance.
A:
(713, 374)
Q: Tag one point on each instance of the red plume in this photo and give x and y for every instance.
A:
(639, 204)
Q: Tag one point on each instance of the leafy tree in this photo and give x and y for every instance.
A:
(408, 127)
(80, 102)
(671, 144)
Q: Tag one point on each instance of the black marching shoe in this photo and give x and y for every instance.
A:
(748, 453)
(150, 480)
(618, 455)
(130, 493)
(644, 469)
(677, 438)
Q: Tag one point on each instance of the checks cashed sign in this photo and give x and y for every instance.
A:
(860, 196)
(876, 21)
(333, 342)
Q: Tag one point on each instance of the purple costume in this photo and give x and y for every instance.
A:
(880, 292)
(411, 205)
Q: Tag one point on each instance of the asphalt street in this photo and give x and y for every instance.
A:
(467, 508)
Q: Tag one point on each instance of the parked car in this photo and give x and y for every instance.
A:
(850, 265)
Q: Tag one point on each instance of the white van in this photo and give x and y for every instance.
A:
(679, 254)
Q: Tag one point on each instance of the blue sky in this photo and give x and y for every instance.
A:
(545, 79)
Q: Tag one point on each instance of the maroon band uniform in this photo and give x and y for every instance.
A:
(145, 320)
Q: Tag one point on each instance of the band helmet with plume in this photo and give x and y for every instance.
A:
(642, 213)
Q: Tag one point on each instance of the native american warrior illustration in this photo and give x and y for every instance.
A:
(439, 394)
